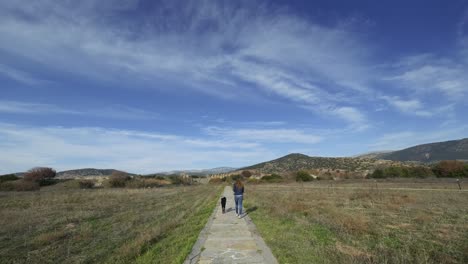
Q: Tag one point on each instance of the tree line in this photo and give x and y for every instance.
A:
(443, 169)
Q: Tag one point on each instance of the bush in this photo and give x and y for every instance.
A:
(303, 176)
(420, 172)
(272, 178)
(86, 184)
(378, 174)
(8, 177)
(236, 177)
(7, 186)
(246, 174)
(396, 172)
(402, 172)
(253, 181)
(215, 181)
(178, 180)
(118, 179)
(144, 183)
(23, 185)
(451, 168)
(42, 176)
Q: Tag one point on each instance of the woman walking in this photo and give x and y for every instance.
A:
(238, 189)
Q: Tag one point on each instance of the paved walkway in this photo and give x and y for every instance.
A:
(228, 239)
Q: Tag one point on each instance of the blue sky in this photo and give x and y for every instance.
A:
(147, 86)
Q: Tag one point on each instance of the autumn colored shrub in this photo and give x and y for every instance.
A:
(246, 174)
(451, 168)
(41, 175)
(118, 179)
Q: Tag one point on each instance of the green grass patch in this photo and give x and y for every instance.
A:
(175, 247)
(103, 225)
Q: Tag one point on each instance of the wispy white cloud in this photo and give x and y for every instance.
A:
(426, 74)
(63, 148)
(111, 111)
(354, 116)
(405, 139)
(16, 107)
(18, 75)
(280, 54)
(411, 107)
(462, 32)
(278, 135)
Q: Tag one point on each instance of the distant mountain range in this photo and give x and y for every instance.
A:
(427, 153)
(201, 172)
(296, 161)
(88, 172)
(70, 174)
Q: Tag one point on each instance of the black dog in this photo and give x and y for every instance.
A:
(223, 204)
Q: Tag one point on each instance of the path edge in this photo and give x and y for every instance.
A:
(197, 247)
(266, 251)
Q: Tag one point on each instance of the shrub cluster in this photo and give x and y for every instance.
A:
(144, 183)
(11, 182)
(118, 179)
(179, 180)
(303, 176)
(23, 185)
(402, 172)
(451, 168)
(41, 175)
(8, 177)
(448, 168)
(246, 174)
(86, 184)
(216, 180)
(272, 178)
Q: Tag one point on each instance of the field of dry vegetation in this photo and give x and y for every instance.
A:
(58, 225)
(326, 222)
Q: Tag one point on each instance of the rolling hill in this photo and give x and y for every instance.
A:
(69, 174)
(432, 152)
(201, 172)
(295, 162)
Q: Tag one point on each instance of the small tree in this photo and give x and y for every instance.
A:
(246, 174)
(40, 175)
(420, 172)
(272, 178)
(118, 179)
(378, 174)
(303, 176)
(449, 168)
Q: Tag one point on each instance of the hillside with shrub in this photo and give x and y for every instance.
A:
(71, 174)
(432, 152)
(296, 162)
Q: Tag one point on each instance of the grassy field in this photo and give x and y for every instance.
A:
(365, 222)
(58, 225)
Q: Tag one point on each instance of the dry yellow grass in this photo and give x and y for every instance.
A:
(329, 222)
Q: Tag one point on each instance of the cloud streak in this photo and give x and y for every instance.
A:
(212, 44)
(63, 148)
(112, 111)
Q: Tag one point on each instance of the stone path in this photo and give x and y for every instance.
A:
(228, 239)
